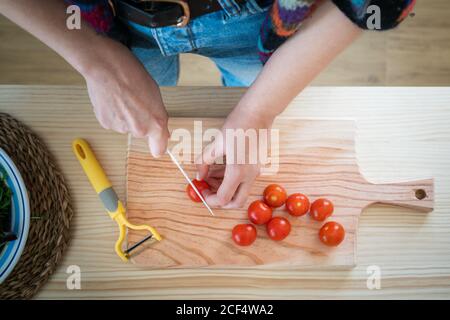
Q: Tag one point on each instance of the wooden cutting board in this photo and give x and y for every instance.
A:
(317, 158)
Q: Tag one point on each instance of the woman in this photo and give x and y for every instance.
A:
(274, 47)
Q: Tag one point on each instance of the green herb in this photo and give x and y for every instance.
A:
(5, 208)
(5, 194)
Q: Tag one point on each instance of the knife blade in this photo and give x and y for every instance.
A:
(174, 160)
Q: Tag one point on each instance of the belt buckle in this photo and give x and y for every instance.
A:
(185, 18)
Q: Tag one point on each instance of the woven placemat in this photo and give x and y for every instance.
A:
(50, 206)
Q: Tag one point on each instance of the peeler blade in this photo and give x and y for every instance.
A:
(137, 244)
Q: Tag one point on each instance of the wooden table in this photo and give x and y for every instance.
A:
(404, 133)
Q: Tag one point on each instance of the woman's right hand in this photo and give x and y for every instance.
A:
(125, 97)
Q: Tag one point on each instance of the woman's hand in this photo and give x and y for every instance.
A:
(126, 98)
(233, 180)
(283, 77)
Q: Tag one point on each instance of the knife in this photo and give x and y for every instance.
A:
(189, 180)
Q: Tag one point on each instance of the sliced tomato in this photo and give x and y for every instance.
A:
(201, 186)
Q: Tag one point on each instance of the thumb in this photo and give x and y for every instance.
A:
(157, 143)
(209, 155)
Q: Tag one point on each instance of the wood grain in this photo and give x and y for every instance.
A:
(402, 133)
(317, 158)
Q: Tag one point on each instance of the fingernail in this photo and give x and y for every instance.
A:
(155, 150)
(155, 154)
(197, 176)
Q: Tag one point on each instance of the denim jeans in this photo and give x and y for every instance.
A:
(228, 37)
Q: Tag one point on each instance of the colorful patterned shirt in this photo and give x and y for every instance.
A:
(284, 18)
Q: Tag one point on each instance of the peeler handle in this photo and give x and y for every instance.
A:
(90, 165)
(96, 175)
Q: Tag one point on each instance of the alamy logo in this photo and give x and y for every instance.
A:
(251, 146)
(374, 20)
(73, 281)
(73, 21)
(374, 277)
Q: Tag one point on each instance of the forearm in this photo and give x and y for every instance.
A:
(46, 20)
(299, 60)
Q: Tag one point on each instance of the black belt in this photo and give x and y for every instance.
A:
(163, 13)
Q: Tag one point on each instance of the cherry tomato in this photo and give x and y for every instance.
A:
(259, 212)
(274, 195)
(297, 204)
(201, 186)
(278, 228)
(244, 234)
(321, 209)
(332, 233)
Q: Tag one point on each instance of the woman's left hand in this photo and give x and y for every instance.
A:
(233, 180)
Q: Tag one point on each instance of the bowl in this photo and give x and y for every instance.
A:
(20, 216)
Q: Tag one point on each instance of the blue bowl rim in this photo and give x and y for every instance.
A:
(22, 196)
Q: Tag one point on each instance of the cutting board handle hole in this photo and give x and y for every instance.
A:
(421, 194)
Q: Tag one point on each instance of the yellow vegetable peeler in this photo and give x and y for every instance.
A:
(109, 198)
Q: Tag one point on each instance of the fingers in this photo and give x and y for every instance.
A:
(121, 126)
(216, 171)
(241, 196)
(227, 189)
(139, 128)
(204, 160)
(157, 135)
(214, 183)
(235, 188)
(155, 130)
(112, 122)
(157, 143)
(103, 120)
(209, 155)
